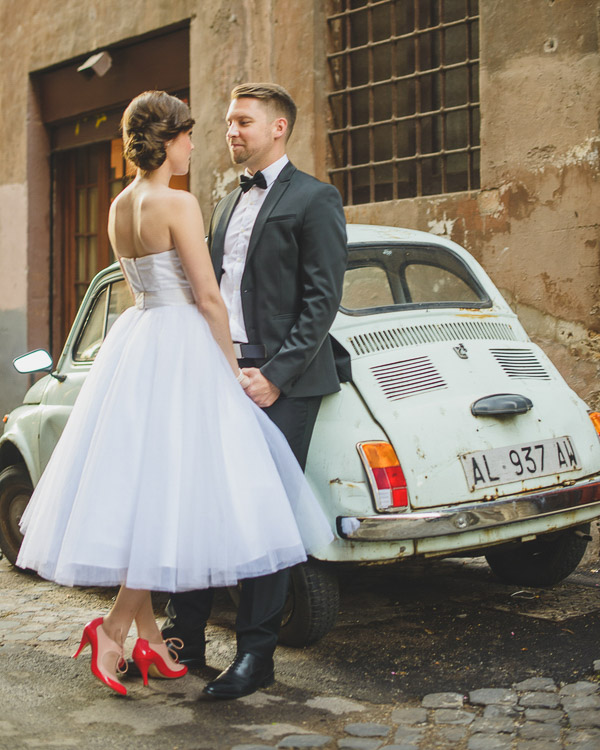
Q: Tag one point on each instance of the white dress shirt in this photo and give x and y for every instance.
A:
(237, 240)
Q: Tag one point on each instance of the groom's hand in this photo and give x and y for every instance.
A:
(260, 390)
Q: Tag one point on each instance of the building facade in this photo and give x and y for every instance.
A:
(474, 119)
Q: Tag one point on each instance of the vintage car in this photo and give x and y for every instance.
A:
(452, 434)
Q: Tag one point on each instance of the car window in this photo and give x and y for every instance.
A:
(111, 301)
(383, 277)
(431, 283)
(366, 286)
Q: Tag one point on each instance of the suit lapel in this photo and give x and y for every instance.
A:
(279, 187)
(217, 246)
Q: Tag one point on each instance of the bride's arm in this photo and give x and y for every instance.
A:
(187, 230)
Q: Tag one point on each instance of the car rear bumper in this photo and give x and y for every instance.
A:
(474, 517)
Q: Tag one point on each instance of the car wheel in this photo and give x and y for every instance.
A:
(15, 492)
(542, 562)
(311, 605)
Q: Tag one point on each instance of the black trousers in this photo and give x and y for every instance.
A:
(261, 599)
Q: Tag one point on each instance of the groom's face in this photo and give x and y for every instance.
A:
(253, 133)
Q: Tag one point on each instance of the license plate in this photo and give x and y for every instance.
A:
(515, 462)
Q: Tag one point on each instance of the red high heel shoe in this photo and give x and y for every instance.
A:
(148, 659)
(102, 646)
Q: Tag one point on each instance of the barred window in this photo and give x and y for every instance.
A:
(405, 97)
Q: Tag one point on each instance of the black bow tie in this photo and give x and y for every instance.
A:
(258, 180)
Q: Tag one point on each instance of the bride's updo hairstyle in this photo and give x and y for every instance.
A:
(150, 120)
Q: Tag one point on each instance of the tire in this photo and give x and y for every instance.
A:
(544, 561)
(312, 605)
(15, 493)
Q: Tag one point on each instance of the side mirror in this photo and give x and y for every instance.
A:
(35, 361)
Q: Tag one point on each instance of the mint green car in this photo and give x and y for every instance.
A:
(452, 434)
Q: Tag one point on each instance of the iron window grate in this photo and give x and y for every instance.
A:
(404, 97)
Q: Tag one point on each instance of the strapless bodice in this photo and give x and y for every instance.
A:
(158, 280)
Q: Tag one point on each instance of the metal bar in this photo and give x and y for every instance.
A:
(418, 105)
(394, 105)
(442, 96)
(403, 118)
(371, 108)
(399, 37)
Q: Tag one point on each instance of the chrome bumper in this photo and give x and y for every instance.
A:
(482, 515)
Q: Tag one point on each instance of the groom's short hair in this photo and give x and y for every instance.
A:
(273, 95)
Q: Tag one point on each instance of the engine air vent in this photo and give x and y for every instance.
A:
(407, 377)
(520, 363)
(396, 338)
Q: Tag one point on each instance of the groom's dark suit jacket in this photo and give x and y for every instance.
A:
(292, 281)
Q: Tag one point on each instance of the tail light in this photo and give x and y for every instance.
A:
(385, 475)
(595, 417)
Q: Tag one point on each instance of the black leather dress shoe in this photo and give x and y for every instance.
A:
(194, 647)
(246, 674)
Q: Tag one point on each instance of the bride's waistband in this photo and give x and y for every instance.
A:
(164, 297)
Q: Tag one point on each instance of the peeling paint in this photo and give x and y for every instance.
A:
(441, 227)
(223, 183)
(586, 154)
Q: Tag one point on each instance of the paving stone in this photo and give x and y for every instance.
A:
(19, 637)
(409, 715)
(544, 714)
(452, 716)
(596, 665)
(580, 703)
(537, 684)
(589, 718)
(583, 740)
(583, 687)
(534, 730)
(398, 747)
(539, 700)
(252, 747)
(334, 704)
(367, 729)
(56, 635)
(502, 712)
(495, 696)
(489, 742)
(304, 742)
(493, 726)
(408, 735)
(533, 745)
(359, 743)
(452, 734)
(443, 700)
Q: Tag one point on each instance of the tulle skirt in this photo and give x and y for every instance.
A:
(167, 476)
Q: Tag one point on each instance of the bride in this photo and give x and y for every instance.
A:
(167, 476)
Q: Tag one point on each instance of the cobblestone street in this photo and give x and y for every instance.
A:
(50, 700)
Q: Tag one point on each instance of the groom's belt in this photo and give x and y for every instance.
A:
(250, 351)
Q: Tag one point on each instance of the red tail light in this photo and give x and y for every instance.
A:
(385, 474)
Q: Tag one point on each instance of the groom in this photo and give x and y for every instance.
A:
(278, 244)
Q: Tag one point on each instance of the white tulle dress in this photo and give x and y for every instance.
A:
(167, 476)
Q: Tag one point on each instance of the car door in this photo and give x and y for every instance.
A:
(95, 318)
